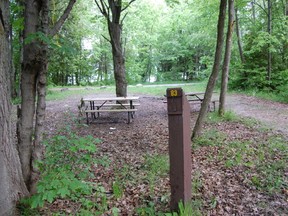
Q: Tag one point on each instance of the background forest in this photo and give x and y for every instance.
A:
(166, 41)
(81, 43)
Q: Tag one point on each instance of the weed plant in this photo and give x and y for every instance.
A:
(65, 173)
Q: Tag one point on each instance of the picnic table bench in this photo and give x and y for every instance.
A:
(198, 97)
(97, 105)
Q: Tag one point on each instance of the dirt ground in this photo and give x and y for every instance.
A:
(272, 114)
(148, 134)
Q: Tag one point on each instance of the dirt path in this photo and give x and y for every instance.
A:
(272, 114)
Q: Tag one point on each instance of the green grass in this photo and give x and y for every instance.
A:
(273, 96)
(55, 93)
(210, 137)
(263, 157)
(213, 117)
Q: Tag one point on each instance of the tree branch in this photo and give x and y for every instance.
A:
(104, 9)
(2, 21)
(62, 19)
(128, 5)
(260, 6)
(107, 39)
(123, 18)
(101, 9)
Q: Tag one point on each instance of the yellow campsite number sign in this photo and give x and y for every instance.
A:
(174, 93)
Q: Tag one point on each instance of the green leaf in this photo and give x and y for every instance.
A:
(49, 196)
(36, 201)
(63, 192)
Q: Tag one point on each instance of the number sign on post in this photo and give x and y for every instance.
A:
(179, 146)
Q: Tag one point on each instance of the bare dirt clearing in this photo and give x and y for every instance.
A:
(272, 114)
(218, 187)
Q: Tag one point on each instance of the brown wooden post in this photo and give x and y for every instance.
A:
(179, 146)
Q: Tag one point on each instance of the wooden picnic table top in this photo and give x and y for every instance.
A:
(110, 98)
(195, 93)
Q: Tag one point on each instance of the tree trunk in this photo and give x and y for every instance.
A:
(12, 186)
(227, 57)
(118, 59)
(286, 8)
(33, 77)
(112, 13)
(30, 67)
(253, 11)
(239, 38)
(38, 150)
(215, 71)
(269, 29)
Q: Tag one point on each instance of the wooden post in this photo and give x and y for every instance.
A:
(179, 146)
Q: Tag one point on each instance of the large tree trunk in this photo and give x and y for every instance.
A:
(38, 150)
(215, 71)
(33, 78)
(112, 13)
(30, 68)
(227, 57)
(118, 59)
(12, 186)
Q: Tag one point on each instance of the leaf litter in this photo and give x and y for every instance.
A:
(224, 181)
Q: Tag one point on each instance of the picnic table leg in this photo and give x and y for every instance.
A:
(87, 118)
(92, 107)
(129, 117)
(98, 113)
(132, 107)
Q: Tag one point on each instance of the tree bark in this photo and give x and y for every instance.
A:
(33, 81)
(38, 148)
(253, 11)
(12, 186)
(239, 38)
(30, 68)
(286, 8)
(227, 57)
(269, 30)
(118, 59)
(114, 8)
(215, 70)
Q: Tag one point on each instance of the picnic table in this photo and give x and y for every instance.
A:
(97, 105)
(199, 97)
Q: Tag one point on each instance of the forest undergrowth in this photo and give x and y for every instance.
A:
(113, 168)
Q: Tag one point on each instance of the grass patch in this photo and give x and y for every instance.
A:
(210, 137)
(57, 94)
(228, 116)
(265, 159)
(274, 96)
(161, 89)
